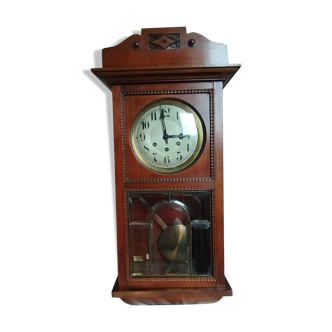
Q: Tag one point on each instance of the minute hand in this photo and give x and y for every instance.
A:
(162, 117)
(180, 136)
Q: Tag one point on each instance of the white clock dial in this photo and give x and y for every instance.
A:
(167, 136)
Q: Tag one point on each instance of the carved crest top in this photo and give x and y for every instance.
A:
(165, 55)
(165, 48)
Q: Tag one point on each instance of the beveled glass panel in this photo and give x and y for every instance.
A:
(170, 233)
(139, 249)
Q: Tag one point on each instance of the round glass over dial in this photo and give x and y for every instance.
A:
(167, 136)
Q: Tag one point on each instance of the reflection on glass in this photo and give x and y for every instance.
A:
(139, 252)
(188, 124)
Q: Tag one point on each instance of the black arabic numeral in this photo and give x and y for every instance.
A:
(153, 116)
(179, 157)
(145, 125)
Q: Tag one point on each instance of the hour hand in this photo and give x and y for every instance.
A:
(180, 136)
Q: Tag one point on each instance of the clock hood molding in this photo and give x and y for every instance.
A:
(165, 54)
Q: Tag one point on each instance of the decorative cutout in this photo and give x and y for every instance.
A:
(166, 42)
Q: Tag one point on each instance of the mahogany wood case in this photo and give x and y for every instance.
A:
(169, 62)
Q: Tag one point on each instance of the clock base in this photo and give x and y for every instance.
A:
(171, 295)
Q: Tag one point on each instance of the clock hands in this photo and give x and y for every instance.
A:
(180, 136)
(165, 135)
(162, 117)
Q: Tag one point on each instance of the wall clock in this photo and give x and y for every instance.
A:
(168, 144)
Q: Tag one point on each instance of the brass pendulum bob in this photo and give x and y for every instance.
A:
(172, 242)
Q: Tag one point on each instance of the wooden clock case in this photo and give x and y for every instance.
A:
(168, 63)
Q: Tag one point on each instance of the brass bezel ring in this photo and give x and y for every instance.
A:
(200, 141)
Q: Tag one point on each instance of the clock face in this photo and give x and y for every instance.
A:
(167, 136)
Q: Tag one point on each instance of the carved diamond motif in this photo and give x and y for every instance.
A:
(164, 41)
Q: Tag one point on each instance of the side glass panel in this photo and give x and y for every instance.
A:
(199, 205)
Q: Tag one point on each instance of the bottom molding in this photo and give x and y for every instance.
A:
(171, 295)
